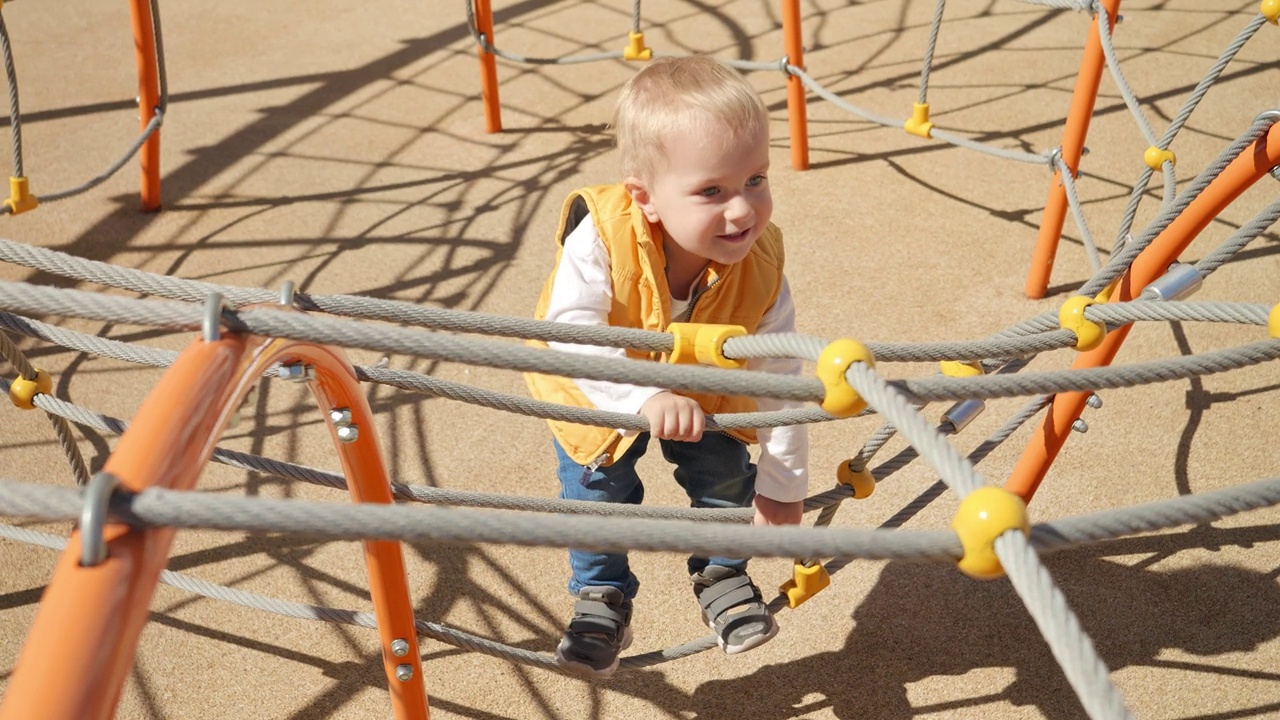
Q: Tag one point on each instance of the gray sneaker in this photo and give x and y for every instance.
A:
(733, 608)
(599, 631)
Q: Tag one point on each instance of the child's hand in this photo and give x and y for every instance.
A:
(674, 417)
(775, 512)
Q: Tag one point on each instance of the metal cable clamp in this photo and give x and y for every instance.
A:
(93, 518)
(212, 323)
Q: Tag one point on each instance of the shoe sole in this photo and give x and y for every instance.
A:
(750, 643)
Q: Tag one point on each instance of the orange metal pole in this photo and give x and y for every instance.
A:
(1242, 172)
(84, 638)
(488, 69)
(368, 482)
(1073, 134)
(144, 45)
(797, 108)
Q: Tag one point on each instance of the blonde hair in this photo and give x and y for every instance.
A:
(695, 93)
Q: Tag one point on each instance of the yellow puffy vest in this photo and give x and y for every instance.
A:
(738, 294)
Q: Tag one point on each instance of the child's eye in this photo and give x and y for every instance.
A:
(755, 181)
(709, 191)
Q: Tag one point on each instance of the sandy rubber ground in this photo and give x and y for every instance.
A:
(341, 146)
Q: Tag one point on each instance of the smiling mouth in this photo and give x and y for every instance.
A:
(736, 237)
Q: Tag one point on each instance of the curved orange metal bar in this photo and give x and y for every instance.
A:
(144, 45)
(1073, 134)
(796, 108)
(1256, 161)
(84, 638)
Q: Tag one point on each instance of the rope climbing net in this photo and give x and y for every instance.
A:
(988, 368)
(1012, 546)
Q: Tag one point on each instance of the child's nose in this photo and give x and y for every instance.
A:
(738, 209)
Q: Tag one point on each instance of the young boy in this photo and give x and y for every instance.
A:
(685, 237)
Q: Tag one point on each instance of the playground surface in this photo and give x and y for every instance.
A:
(342, 147)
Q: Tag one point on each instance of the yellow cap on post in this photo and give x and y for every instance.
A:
(635, 49)
(918, 123)
(806, 581)
(20, 197)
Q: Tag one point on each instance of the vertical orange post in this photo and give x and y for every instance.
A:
(144, 45)
(796, 107)
(488, 68)
(1256, 161)
(83, 641)
(1073, 135)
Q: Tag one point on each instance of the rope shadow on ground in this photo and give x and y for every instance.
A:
(925, 621)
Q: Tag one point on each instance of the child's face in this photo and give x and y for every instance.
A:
(710, 196)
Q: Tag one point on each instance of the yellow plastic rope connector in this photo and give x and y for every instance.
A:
(961, 368)
(635, 49)
(1089, 334)
(918, 123)
(862, 481)
(841, 399)
(1154, 157)
(704, 343)
(806, 581)
(23, 391)
(1273, 322)
(1270, 9)
(20, 197)
(981, 518)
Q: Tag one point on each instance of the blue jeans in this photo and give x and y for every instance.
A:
(715, 472)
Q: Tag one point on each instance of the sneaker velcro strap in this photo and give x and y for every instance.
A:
(593, 624)
(590, 608)
(719, 602)
(725, 585)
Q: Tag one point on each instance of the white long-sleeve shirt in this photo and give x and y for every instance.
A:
(582, 294)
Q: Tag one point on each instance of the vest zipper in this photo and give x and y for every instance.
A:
(687, 315)
(590, 468)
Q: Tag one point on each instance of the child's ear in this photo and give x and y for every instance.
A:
(640, 196)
